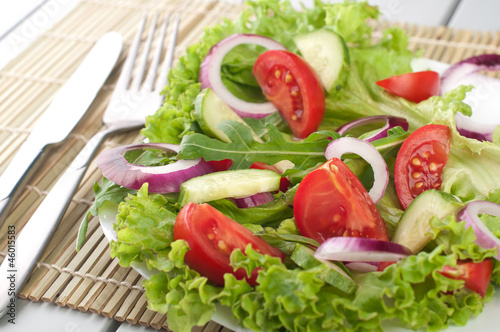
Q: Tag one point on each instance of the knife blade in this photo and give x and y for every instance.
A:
(65, 111)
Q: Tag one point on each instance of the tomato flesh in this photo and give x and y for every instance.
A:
(476, 275)
(420, 162)
(212, 237)
(331, 201)
(293, 87)
(415, 87)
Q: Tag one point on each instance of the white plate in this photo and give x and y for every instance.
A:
(487, 321)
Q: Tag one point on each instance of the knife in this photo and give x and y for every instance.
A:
(64, 112)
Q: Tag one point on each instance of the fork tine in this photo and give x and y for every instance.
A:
(144, 60)
(169, 57)
(124, 78)
(150, 78)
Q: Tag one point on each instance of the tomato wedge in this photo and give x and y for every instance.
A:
(331, 201)
(293, 87)
(476, 275)
(414, 87)
(420, 161)
(212, 237)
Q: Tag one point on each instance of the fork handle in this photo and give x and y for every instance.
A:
(24, 250)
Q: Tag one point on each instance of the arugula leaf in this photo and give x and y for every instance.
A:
(243, 150)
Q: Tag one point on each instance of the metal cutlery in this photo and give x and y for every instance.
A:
(126, 111)
(57, 121)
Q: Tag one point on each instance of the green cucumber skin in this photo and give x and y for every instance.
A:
(413, 230)
(210, 110)
(320, 39)
(233, 183)
(327, 271)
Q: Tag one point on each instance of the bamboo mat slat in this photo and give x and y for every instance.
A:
(89, 280)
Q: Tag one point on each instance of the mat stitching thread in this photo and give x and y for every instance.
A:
(442, 42)
(15, 130)
(50, 80)
(90, 276)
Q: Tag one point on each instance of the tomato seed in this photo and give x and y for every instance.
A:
(337, 218)
(432, 167)
(211, 236)
(419, 185)
(416, 175)
(222, 245)
(334, 168)
(415, 161)
(277, 74)
(288, 78)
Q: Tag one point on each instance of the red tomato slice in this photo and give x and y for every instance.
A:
(293, 87)
(414, 87)
(212, 237)
(476, 275)
(420, 161)
(284, 182)
(331, 201)
(221, 165)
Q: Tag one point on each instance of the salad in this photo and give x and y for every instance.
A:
(305, 178)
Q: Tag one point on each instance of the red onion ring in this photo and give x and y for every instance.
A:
(484, 98)
(390, 122)
(470, 215)
(210, 76)
(357, 249)
(368, 152)
(254, 200)
(161, 179)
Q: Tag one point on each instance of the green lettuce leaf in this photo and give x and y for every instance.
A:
(138, 215)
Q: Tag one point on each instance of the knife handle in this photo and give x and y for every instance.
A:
(16, 173)
(38, 230)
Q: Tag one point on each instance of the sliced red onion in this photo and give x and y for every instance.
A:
(362, 266)
(368, 152)
(210, 76)
(390, 122)
(161, 179)
(358, 249)
(254, 200)
(483, 99)
(470, 215)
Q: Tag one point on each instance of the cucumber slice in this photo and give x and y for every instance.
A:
(413, 230)
(234, 183)
(327, 53)
(210, 110)
(328, 271)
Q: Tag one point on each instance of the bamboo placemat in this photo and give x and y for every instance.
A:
(89, 280)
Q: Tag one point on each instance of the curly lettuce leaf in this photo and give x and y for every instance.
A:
(138, 216)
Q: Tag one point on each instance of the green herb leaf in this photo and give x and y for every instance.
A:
(243, 150)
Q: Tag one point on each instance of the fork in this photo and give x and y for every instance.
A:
(130, 103)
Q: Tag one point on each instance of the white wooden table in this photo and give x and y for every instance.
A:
(32, 17)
